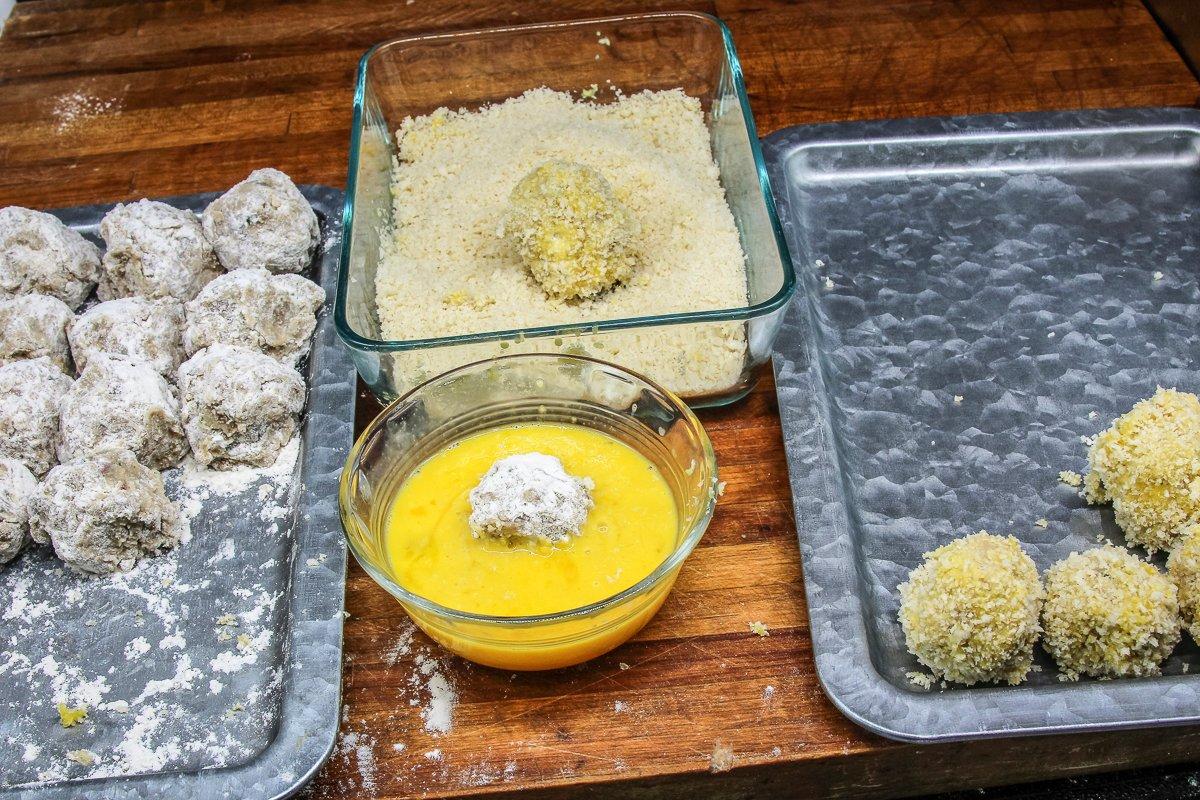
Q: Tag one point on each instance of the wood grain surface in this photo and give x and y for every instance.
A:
(105, 101)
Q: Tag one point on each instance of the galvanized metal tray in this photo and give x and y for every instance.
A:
(977, 295)
(216, 709)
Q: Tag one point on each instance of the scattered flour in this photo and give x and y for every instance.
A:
(203, 483)
(442, 699)
(245, 652)
(55, 626)
(362, 747)
(136, 648)
(73, 109)
(401, 647)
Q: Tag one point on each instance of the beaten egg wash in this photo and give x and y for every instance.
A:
(434, 553)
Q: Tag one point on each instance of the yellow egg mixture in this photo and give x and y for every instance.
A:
(433, 553)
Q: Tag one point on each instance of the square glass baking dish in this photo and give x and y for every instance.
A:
(416, 75)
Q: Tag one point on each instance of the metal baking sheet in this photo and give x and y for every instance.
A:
(215, 718)
(977, 295)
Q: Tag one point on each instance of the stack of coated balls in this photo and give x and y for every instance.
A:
(975, 608)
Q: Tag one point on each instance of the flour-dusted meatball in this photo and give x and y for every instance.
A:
(39, 254)
(1108, 614)
(154, 250)
(530, 494)
(29, 412)
(143, 330)
(239, 406)
(33, 326)
(17, 485)
(263, 222)
(122, 403)
(104, 513)
(275, 314)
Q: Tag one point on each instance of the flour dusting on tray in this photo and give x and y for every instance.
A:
(160, 640)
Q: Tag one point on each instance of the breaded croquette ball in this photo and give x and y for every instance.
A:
(1183, 567)
(1108, 614)
(569, 229)
(1148, 465)
(970, 610)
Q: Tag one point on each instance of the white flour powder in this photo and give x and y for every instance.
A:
(56, 626)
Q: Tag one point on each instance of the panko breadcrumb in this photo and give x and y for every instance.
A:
(1108, 614)
(970, 610)
(1148, 465)
(444, 270)
(1183, 567)
(1070, 478)
(574, 235)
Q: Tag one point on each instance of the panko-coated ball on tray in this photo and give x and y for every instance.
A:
(1183, 567)
(154, 250)
(1147, 464)
(264, 222)
(104, 513)
(41, 255)
(1108, 614)
(33, 326)
(970, 610)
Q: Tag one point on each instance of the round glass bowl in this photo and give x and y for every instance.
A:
(530, 388)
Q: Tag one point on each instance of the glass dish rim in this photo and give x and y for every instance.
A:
(697, 527)
(741, 313)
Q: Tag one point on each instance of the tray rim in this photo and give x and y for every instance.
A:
(842, 656)
(317, 596)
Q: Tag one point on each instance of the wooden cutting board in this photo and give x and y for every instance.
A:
(107, 101)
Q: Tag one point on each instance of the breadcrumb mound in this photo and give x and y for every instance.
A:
(1147, 464)
(970, 610)
(1183, 567)
(1108, 614)
(570, 231)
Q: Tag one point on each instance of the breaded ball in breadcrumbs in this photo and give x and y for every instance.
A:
(1148, 465)
(970, 611)
(1108, 614)
(571, 232)
(1183, 567)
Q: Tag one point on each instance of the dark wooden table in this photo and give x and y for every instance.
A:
(105, 101)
